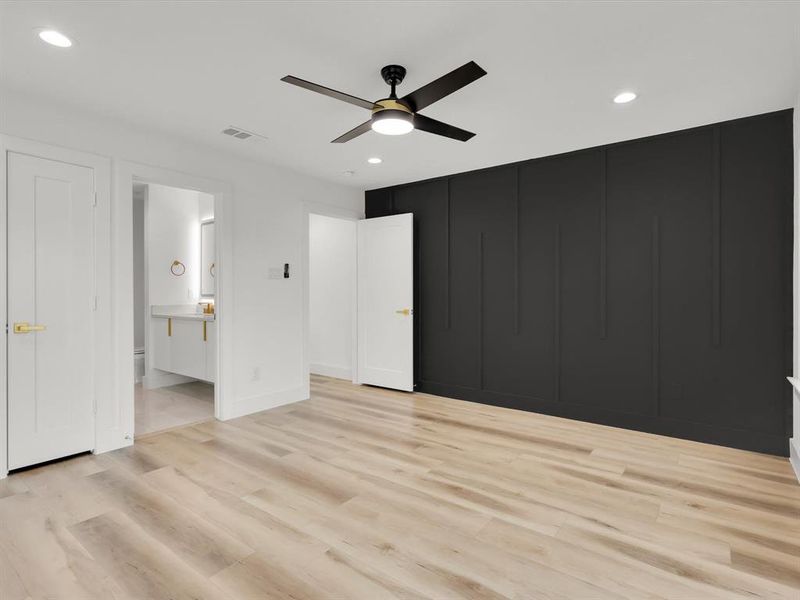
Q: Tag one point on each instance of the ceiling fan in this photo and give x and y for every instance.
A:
(396, 116)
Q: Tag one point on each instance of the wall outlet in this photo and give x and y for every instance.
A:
(256, 373)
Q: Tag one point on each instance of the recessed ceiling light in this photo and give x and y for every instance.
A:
(374, 160)
(348, 173)
(624, 97)
(55, 38)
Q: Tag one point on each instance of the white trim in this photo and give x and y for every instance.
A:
(336, 371)
(125, 175)
(262, 402)
(159, 379)
(325, 210)
(794, 456)
(105, 400)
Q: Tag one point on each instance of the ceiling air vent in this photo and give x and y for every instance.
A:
(241, 134)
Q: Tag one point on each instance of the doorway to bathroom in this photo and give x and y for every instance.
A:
(175, 318)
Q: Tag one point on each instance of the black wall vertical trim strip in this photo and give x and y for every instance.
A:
(656, 314)
(448, 253)
(418, 313)
(716, 240)
(516, 254)
(557, 315)
(479, 320)
(603, 244)
(788, 267)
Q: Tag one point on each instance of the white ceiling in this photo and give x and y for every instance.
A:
(191, 69)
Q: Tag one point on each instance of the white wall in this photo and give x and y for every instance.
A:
(332, 280)
(139, 302)
(173, 233)
(268, 213)
(206, 207)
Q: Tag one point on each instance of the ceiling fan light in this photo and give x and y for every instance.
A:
(392, 122)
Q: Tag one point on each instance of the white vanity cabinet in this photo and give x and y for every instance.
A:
(211, 351)
(186, 345)
(160, 343)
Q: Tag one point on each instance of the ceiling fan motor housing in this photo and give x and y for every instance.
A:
(393, 74)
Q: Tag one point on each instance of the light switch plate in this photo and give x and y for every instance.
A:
(275, 273)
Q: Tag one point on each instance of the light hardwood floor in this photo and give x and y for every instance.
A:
(366, 493)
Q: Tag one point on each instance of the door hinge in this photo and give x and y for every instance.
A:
(94, 303)
(94, 198)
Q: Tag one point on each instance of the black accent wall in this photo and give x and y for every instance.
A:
(644, 284)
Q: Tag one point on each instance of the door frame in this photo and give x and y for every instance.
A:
(105, 403)
(125, 175)
(325, 210)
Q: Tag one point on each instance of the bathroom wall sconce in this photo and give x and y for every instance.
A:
(177, 268)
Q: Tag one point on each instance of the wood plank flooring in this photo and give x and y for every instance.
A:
(366, 493)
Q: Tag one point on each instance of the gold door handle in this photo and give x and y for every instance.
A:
(403, 311)
(27, 328)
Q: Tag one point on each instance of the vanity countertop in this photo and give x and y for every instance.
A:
(167, 313)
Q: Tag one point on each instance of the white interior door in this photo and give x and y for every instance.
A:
(50, 309)
(385, 302)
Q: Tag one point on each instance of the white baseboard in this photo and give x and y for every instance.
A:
(157, 379)
(112, 439)
(794, 456)
(254, 404)
(138, 368)
(345, 373)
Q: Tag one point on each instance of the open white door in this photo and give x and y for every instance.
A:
(385, 302)
(50, 309)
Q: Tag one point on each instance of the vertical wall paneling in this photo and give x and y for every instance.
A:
(603, 245)
(479, 320)
(515, 233)
(656, 314)
(557, 313)
(788, 270)
(595, 284)
(449, 252)
(716, 241)
(419, 309)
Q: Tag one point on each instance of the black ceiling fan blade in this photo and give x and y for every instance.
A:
(424, 123)
(353, 133)
(325, 91)
(444, 86)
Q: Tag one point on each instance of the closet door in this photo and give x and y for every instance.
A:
(50, 309)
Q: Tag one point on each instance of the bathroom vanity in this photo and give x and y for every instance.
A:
(184, 343)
